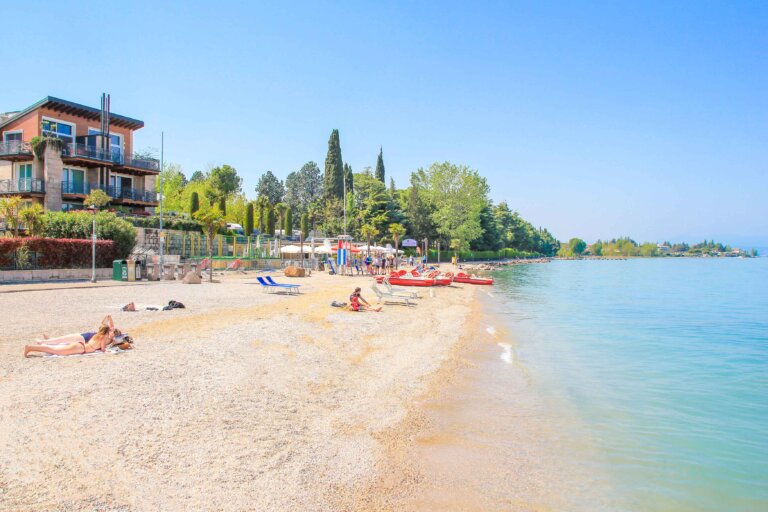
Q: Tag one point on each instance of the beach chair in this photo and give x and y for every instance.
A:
(236, 266)
(389, 297)
(399, 291)
(292, 287)
(269, 288)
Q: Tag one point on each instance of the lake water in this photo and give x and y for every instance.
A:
(652, 372)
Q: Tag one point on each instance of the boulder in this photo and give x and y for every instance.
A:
(293, 271)
(191, 278)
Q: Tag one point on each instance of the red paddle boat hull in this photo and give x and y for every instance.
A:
(399, 281)
(472, 280)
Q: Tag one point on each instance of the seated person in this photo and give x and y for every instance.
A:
(82, 343)
(358, 303)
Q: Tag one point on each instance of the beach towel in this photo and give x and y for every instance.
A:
(109, 351)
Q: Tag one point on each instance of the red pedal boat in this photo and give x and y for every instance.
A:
(398, 280)
(461, 277)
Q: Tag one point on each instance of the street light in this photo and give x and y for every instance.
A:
(93, 245)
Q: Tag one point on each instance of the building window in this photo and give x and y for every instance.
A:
(14, 135)
(25, 172)
(74, 181)
(65, 207)
(59, 129)
(115, 141)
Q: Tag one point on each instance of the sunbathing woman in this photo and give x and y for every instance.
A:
(77, 343)
(358, 303)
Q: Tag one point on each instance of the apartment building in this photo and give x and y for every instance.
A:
(89, 158)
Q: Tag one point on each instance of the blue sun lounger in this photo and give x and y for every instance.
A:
(291, 286)
(270, 287)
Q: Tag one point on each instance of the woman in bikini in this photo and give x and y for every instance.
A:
(358, 303)
(82, 343)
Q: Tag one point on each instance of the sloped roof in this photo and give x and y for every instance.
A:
(70, 107)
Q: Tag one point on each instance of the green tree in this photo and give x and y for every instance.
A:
(349, 180)
(270, 187)
(223, 205)
(280, 209)
(249, 219)
(577, 246)
(457, 195)
(212, 220)
(596, 249)
(370, 202)
(305, 225)
(198, 176)
(194, 203)
(225, 180)
(334, 168)
(491, 239)
(271, 217)
(32, 217)
(369, 231)
(303, 187)
(418, 212)
(10, 208)
(97, 198)
(288, 225)
(380, 166)
(397, 231)
(171, 184)
(263, 206)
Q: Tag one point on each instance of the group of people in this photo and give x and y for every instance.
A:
(379, 264)
(78, 343)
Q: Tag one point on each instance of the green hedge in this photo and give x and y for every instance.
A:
(168, 223)
(78, 224)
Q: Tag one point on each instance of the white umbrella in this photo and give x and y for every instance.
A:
(290, 249)
(322, 250)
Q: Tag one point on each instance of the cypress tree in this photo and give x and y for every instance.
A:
(305, 225)
(380, 166)
(271, 218)
(288, 224)
(334, 168)
(348, 180)
(249, 219)
(194, 203)
(223, 205)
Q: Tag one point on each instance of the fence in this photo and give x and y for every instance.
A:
(194, 245)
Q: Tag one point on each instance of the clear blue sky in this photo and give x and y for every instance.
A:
(598, 120)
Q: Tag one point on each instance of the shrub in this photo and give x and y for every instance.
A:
(168, 223)
(56, 253)
(78, 225)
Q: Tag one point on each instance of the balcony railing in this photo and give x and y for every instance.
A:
(77, 150)
(133, 194)
(68, 187)
(15, 147)
(23, 186)
(149, 164)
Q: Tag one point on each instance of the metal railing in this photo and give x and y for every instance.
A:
(15, 147)
(23, 186)
(149, 164)
(129, 193)
(77, 150)
(68, 187)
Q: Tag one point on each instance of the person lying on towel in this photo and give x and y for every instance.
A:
(358, 303)
(78, 343)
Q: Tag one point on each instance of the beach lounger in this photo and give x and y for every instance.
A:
(399, 291)
(288, 288)
(293, 286)
(389, 297)
(236, 266)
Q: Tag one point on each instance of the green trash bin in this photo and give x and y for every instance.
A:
(119, 270)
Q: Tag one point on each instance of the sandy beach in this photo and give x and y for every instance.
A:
(241, 401)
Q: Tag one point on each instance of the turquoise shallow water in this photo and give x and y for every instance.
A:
(665, 364)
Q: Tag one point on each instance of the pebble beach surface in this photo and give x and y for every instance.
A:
(240, 401)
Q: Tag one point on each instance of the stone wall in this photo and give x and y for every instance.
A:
(53, 170)
(15, 276)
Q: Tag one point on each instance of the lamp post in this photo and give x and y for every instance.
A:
(93, 245)
(162, 235)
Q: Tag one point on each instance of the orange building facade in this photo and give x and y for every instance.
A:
(88, 158)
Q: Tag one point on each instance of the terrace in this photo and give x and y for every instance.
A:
(15, 150)
(118, 194)
(22, 187)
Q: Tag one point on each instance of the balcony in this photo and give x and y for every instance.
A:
(22, 187)
(75, 189)
(138, 165)
(15, 150)
(88, 155)
(130, 194)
